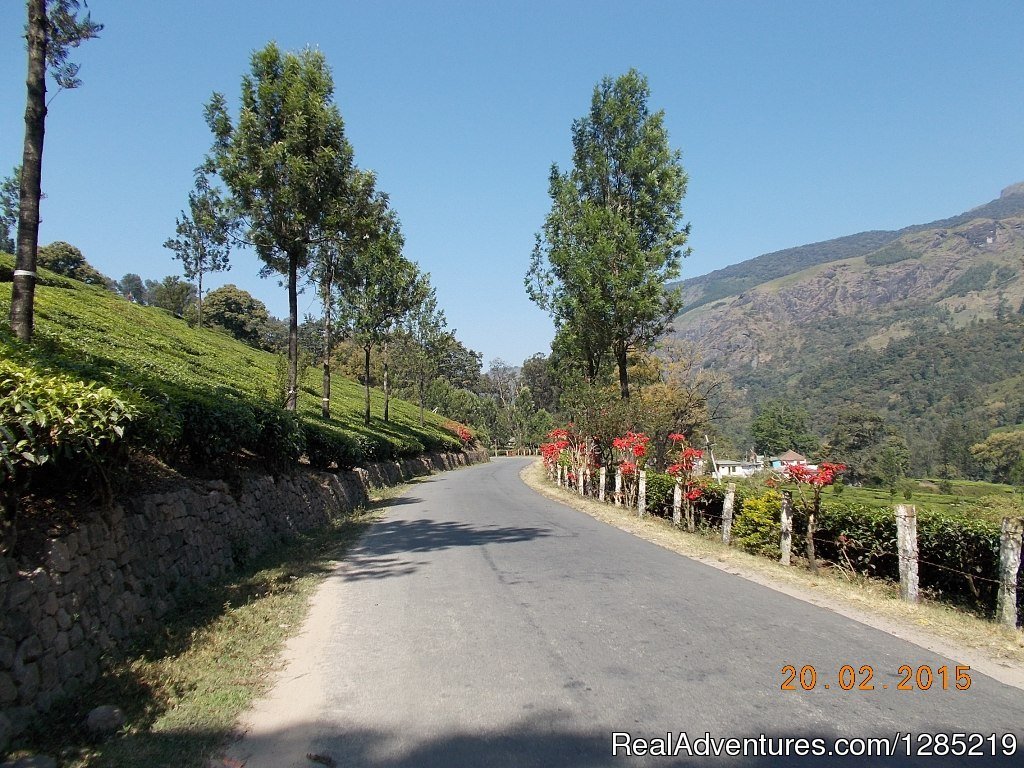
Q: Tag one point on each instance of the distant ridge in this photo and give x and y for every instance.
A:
(737, 278)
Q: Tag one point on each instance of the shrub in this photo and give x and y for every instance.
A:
(659, 493)
(860, 537)
(757, 528)
(325, 446)
(280, 437)
(890, 254)
(51, 419)
(214, 427)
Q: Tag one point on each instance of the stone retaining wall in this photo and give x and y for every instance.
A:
(118, 574)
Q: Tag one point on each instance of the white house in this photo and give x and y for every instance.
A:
(727, 468)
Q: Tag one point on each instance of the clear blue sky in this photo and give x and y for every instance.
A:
(798, 121)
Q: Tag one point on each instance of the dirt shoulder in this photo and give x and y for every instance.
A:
(985, 646)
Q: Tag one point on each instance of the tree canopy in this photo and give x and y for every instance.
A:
(286, 163)
(238, 312)
(614, 235)
(65, 259)
(203, 236)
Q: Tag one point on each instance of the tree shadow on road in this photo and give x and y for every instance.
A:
(380, 554)
(543, 739)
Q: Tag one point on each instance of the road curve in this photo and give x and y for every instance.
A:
(481, 624)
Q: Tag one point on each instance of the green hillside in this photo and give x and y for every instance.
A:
(737, 278)
(201, 395)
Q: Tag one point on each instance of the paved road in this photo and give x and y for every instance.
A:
(480, 624)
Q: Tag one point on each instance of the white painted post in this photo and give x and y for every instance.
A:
(618, 486)
(641, 498)
(603, 482)
(677, 503)
(560, 469)
(906, 541)
(727, 507)
(581, 478)
(1009, 565)
(786, 518)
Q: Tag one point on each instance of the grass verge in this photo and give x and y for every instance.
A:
(986, 646)
(184, 689)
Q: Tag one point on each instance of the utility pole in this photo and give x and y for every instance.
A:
(711, 452)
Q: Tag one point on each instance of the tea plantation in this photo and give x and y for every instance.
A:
(103, 375)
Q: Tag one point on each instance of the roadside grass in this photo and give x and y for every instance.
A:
(183, 690)
(985, 645)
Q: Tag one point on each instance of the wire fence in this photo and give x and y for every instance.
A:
(1004, 587)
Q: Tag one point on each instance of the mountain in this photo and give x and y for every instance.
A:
(737, 278)
(865, 319)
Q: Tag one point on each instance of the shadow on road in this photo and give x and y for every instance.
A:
(543, 739)
(380, 555)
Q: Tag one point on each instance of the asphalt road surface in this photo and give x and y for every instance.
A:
(481, 624)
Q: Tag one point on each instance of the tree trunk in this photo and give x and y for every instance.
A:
(422, 386)
(812, 529)
(199, 299)
(366, 382)
(292, 401)
(620, 358)
(387, 385)
(325, 404)
(23, 286)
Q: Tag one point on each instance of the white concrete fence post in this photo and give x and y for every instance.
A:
(618, 486)
(727, 507)
(786, 519)
(906, 541)
(677, 503)
(1009, 566)
(603, 481)
(641, 496)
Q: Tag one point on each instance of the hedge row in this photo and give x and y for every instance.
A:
(56, 422)
(53, 420)
(958, 553)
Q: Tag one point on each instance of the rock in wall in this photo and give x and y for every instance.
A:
(119, 573)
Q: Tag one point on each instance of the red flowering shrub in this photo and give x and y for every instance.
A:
(459, 430)
(551, 451)
(818, 478)
(633, 443)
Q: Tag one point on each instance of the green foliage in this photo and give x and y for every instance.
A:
(132, 288)
(172, 293)
(238, 312)
(1002, 453)
(939, 388)
(614, 235)
(203, 241)
(286, 164)
(197, 395)
(975, 278)
(9, 193)
(67, 260)
(325, 447)
(780, 426)
(56, 421)
(659, 493)
(890, 254)
(756, 527)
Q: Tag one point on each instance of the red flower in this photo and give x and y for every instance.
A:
(693, 494)
(675, 437)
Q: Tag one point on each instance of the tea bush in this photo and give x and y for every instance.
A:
(194, 394)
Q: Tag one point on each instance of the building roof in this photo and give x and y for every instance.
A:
(791, 456)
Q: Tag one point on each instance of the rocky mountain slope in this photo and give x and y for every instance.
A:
(866, 303)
